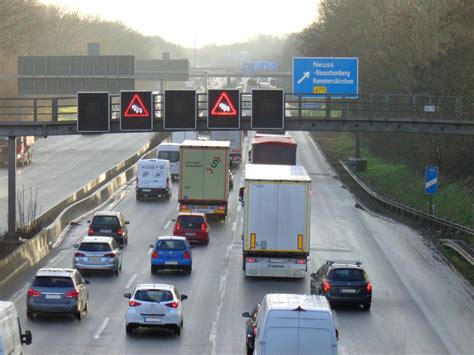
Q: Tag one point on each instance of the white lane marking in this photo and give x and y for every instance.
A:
(222, 287)
(101, 328)
(239, 206)
(129, 283)
(19, 294)
(234, 227)
(167, 225)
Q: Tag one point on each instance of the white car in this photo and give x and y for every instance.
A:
(155, 306)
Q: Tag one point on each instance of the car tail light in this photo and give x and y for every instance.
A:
(172, 305)
(255, 330)
(154, 255)
(120, 232)
(33, 293)
(251, 260)
(326, 286)
(221, 208)
(91, 231)
(134, 303)
(109, 255)
(177, 226)
(186, 255)
(301, 261)
(79, 255)
(72, 294)
(203, 227)
(369, 287)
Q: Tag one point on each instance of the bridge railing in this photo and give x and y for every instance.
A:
(370, 106)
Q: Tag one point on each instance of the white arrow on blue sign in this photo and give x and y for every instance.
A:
(338, 77)
(431, 180)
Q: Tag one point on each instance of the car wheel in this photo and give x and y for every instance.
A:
(138, 197)
(189, 269)
(30, 315)
(243, 264)
(366, 306)
(249, 349)
(129, 329)
(117, 271)
(154, 269)
(177, 331)
(206, 242)
(125, 240)
(78, 314)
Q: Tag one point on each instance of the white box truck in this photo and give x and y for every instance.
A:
(204, 177)
(170, 152)
(153, 179)
(236, 139)
(11, 336)
(277, 219)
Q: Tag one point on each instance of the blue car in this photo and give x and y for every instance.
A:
(171, 253)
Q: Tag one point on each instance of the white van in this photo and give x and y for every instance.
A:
(295, 324)
(153, 179)
(11, 337)
(170, 152)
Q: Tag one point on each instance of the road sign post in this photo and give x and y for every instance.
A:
(431, 183)
(93, 112)
(321, 76)
(223, 109)
(136, 111)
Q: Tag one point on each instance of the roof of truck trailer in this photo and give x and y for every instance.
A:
(275, 139)
(205, 144)
(267, 172)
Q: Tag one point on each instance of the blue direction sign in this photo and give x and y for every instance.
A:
(431, 180)
(249, 68)
(338, 77)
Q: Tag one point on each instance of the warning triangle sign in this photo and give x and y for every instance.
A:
(224, 106)
(136, 108)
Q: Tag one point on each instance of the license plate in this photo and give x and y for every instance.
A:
(190, 234)
(153, 319)
(146, 190)
(280, 261)
(171, 262)
(53, 297)
(106, 230)
(348, 290)
(94, 258)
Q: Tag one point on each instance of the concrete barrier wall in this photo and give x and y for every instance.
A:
(61, 215)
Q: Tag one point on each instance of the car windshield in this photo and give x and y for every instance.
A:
(347, 275)
(95, 247)
(172, 156)
(190, 222)
(106, 221)
(52, 281)
(153, 295)
(171, 245)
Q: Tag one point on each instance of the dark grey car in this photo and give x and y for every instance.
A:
(57, 290)
(109, 223)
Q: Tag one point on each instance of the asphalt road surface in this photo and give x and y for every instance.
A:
(63, 164)
(419, 304)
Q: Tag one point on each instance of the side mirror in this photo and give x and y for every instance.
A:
(75, 245)
(152, 246)
(127, 222)
(89, 221)
(191, 246)
(184, 297)
(26, 338)
(313, 275)
(121, 247)
(87, 282)
(127, 295)
(337, 334)
(173, 220)
(246, 315)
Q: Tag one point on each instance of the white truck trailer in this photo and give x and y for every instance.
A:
(277, 219)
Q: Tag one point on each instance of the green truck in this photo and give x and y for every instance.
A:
(204, 177)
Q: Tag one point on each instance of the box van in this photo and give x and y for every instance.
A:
(170, 152)
(11, 337)
(295, 324)
(153, 179)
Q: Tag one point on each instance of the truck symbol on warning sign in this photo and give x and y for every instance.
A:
(224, 106)
(136, 108)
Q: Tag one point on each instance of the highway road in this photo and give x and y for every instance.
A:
(63, 164)
(419, 304)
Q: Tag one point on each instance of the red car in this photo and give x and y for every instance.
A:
(193, 226)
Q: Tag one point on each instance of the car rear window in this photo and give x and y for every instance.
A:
(347, 275)
(191, 222)
(171, 245)
(153, 295)
(95, 247)
(172, 156)
(52, 281)
(106, 221)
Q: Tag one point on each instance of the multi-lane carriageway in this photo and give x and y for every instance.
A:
(420, 304)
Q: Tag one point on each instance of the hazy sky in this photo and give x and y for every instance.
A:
(209, 21)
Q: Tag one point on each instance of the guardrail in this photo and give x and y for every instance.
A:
(461, 247)
(404, 209)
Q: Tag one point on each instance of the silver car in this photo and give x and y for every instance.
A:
(57, 290)
(98, 253)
